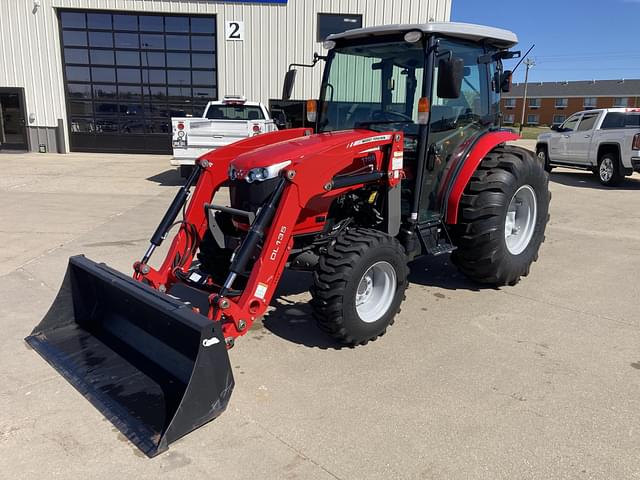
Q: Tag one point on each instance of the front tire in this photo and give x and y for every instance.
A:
(502, 219)
(542, 152)
(359, 285)
(608, 170)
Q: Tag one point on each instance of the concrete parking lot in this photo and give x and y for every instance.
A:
(536, 381)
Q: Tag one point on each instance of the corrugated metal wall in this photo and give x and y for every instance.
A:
(275, 36)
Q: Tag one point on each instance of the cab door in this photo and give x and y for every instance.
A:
(454, 124)
(580, 142)
(559, 142)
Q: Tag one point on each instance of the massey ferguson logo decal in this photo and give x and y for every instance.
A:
(278, 244)
(364, 141)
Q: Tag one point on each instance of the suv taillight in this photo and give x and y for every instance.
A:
(636, 142)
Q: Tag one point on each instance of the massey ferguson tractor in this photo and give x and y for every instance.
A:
(406, 158)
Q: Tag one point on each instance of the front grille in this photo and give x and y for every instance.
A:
(251, 196)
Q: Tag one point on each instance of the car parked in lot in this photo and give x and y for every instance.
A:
(606, 141)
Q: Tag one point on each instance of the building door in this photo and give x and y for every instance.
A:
(127, 74)
(13, 132)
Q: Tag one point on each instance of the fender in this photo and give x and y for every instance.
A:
(483, 146)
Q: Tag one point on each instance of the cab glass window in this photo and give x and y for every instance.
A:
(571, 124)
(588, 122)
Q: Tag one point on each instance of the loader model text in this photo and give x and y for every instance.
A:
(279, 240)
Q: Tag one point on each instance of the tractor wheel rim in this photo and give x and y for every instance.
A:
(606, 170)
(520, 222)
(376, 291)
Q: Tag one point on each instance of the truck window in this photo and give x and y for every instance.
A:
(571, 124)
(588, 122)
(234, 112)
(615, 120)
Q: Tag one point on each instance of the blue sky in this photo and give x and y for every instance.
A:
(575, 39)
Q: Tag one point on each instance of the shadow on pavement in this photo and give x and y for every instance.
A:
(589, 180)
(440, 272)
(292, 319)
(168, 178)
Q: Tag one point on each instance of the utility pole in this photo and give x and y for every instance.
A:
(528, 63)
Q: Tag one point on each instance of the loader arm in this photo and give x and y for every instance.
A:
(302, 184)
(214, 174)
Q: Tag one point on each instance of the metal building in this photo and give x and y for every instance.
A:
(107, 75)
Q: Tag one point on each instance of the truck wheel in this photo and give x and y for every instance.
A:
(608, 171)
(503, 215)
(358, 286)
(543, 156)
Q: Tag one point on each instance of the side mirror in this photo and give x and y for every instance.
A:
(505, 81)
(450, 75)
(289, 81)
(555, 128)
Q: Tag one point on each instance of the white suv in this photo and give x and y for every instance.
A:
(606, 142)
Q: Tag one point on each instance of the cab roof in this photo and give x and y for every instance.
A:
(497, 37)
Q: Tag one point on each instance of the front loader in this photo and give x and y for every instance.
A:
(406, 159)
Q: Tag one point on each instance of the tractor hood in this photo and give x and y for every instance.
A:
(292, 152)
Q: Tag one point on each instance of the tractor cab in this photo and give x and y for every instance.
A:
(438, 83)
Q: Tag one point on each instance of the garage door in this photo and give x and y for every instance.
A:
(126, 75)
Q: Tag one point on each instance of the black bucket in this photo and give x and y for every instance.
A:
(155, 368)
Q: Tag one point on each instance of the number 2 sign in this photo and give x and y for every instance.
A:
(234, 30)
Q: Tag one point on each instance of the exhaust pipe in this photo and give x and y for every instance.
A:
(152, 366)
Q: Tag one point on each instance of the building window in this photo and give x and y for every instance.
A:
(510, 103)
(590, 102)
(621, 102)
(534, 103)
(127, 75)
(559, 119)
(532, 119)
(509, 119)
(562, 103)
(329, 23)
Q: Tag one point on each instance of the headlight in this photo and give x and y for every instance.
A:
(264, 173)
(233, 174)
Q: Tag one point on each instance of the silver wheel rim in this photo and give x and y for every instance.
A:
(376, 291)
(521, 220)
(542, 156)
(606, 170)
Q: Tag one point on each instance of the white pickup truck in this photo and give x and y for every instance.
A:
(607, 142)
(223, 122)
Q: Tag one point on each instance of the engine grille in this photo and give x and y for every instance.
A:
(250, 196)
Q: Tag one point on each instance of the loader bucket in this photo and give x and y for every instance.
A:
(155, 368)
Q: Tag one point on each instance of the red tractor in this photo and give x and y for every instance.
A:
(406, 158)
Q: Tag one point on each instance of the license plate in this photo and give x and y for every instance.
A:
(180, 143)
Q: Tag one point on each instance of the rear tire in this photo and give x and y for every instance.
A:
(608, 171)
(359, 285)
(502, 218)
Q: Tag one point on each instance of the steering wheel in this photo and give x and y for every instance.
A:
(383, 116)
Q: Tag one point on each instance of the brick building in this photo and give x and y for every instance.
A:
(551, 103)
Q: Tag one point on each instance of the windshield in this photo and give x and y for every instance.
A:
(234, 112)
(375, 86)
